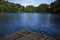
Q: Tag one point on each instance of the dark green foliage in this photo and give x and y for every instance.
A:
(55, 7)
(9, 7)
(6, 6)
(42, 8)
(29, 9)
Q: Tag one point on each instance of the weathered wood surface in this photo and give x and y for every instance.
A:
(26, 35)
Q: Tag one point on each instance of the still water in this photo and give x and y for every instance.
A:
(48, 24)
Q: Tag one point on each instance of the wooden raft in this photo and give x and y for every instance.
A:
(26, 35)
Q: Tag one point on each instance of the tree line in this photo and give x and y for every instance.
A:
(9, 7)
(55, 7)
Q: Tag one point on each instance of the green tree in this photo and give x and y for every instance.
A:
(42, 8)
(30, 9)
(55, 6)
(21, 9)
(6, 6)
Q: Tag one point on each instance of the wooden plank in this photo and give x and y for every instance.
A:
(26, 35)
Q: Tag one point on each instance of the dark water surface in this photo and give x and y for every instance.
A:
(48, 24)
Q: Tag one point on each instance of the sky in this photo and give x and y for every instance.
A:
(31, 2)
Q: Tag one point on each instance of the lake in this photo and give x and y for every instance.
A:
(47, 24)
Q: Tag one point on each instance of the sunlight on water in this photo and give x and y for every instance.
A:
(36, 22)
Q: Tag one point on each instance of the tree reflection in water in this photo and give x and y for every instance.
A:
(55, 19)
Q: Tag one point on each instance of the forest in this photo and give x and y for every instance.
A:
(9, 7)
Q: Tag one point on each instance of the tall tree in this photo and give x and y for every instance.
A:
(42, 8)
(30, 8)
(55, 6)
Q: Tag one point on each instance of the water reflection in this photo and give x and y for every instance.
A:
(40, 23)
(55, 21)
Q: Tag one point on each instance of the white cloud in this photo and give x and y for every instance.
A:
(31, 2)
